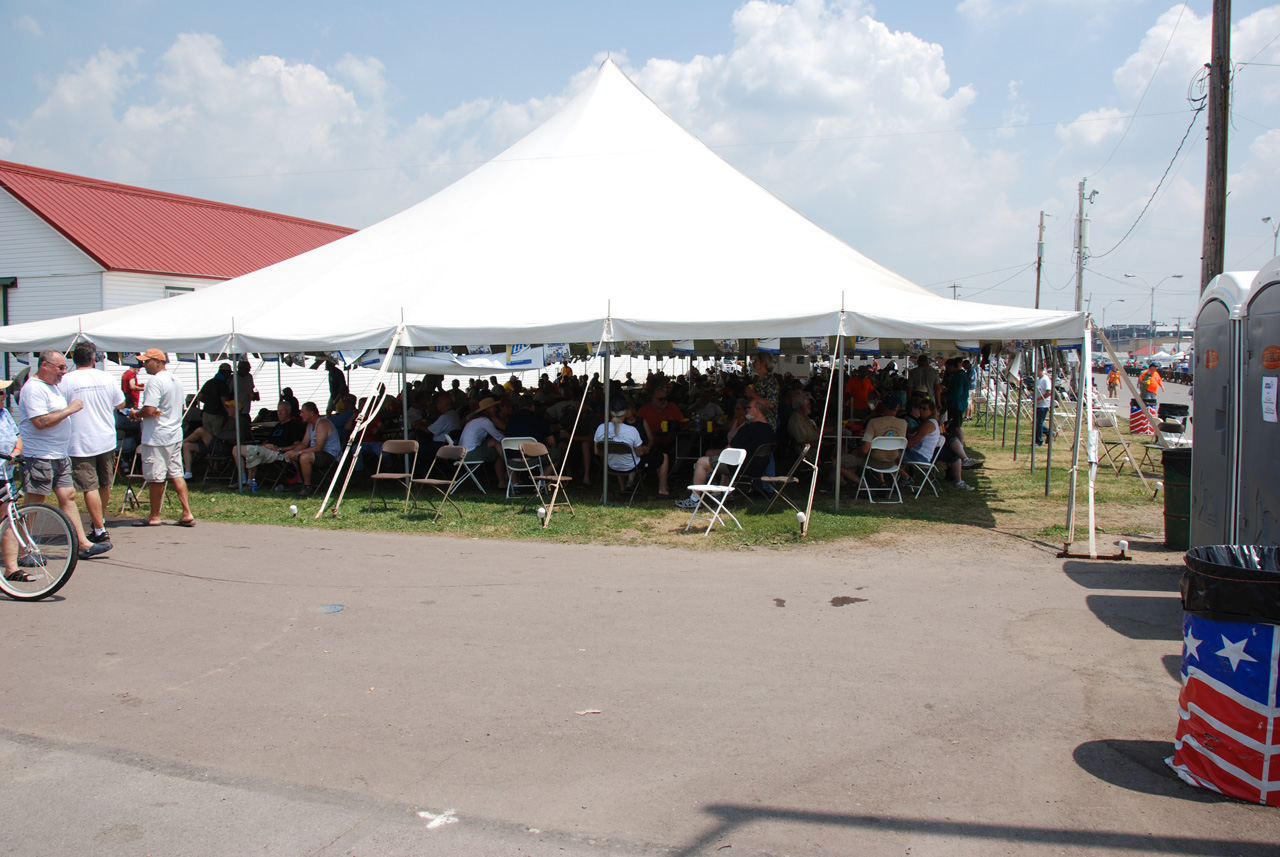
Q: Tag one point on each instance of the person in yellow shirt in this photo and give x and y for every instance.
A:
(1113, 382)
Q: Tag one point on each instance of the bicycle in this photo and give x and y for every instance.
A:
(44, 541)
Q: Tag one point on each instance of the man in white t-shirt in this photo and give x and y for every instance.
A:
(161, 448)
(46, 438)
(1044, 398)
(93, 433)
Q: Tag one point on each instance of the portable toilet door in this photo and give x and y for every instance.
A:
(1215, 410)
(1259, 497)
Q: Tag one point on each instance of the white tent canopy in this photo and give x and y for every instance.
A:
(609, 221)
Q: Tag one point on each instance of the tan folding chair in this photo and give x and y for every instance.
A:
(713, 496)
(399, 450)
(883, 471)
(446, 456)
(548, 482)
(782, 483)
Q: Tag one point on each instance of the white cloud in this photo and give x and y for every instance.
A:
(1094, 127)
(29, 25)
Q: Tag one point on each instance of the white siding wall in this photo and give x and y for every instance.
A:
(55, 278)
(124, 289)
(29, 247)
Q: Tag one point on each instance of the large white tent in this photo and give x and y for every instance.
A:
(608, 222)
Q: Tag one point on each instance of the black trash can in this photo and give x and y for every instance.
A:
(1227, 738)
(1177, 498)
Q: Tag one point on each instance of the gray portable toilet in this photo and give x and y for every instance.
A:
(1215, 465)
(1259, 494)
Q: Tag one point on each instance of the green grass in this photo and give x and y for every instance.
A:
(1010, 498)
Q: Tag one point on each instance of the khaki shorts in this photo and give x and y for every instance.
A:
(43, 475)
(256, 456)
(213, 423)
(94, 471)
(160, 463)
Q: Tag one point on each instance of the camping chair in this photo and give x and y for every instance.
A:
(712, 495)
(882, 471)
(782, 483)
(451, 456)
(548, 482)
(636, 473)
(927, 470)
(395, 451)
(516, 464)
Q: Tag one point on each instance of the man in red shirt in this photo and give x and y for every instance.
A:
(859, 389)
(131, 387)
(654, 414)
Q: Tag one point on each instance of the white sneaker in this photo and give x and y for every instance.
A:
(688, 503)
(187, 476)
(963, 486)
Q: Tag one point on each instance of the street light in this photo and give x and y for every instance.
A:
(1104, 310)
(1275, 233)
(1151, 341)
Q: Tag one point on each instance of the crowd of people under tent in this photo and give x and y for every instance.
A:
(723, 407)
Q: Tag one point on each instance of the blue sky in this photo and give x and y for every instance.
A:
(929, 135)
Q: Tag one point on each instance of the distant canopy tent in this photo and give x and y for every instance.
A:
(608, 223)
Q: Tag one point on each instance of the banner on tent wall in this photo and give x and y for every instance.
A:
(769, 346)
(479, 349)
(915, 346)
(727, 346)
(814, 345)
(683, 346)
(640, 346)
(441, 349)
(520, 355)
(971, 346)
(866, 345)
(604, 348)
(556, 352)
(187, 358)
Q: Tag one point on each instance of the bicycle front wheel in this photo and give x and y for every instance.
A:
(46, 548)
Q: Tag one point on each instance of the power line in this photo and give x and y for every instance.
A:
(1145, 90)
(1141, 214)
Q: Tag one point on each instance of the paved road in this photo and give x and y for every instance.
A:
(943, 694)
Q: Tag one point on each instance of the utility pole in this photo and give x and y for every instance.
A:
(955, 288)
(1040, 258)
(1215, 174)
(1082, 243)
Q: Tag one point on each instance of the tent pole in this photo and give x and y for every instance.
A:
(994, 369)
(839, 417)
(817, 447)
(372, 405)
(1082, 391)
(235, 398)
(1051, 360)
(404, 395)
(1036, 363)
(604, 475)
(1016, 378)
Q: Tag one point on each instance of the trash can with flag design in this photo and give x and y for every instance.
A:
(1138, 422)
(1227, 738)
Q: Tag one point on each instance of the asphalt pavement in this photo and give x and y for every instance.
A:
(276, 690)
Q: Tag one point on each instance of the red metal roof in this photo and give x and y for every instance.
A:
(126, 228)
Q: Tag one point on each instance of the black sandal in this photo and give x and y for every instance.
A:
(19, 576)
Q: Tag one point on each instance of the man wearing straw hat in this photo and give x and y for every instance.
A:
(161, 449)
(482, 438)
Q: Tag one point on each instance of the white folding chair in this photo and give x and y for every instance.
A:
(882, 470)
(517, 464)
(713, 496)
(927, 470)
(470, 470)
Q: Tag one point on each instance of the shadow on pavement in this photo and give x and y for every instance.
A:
(1139, 767)
(732, 817)
(1146, 577)
(1140, 617)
